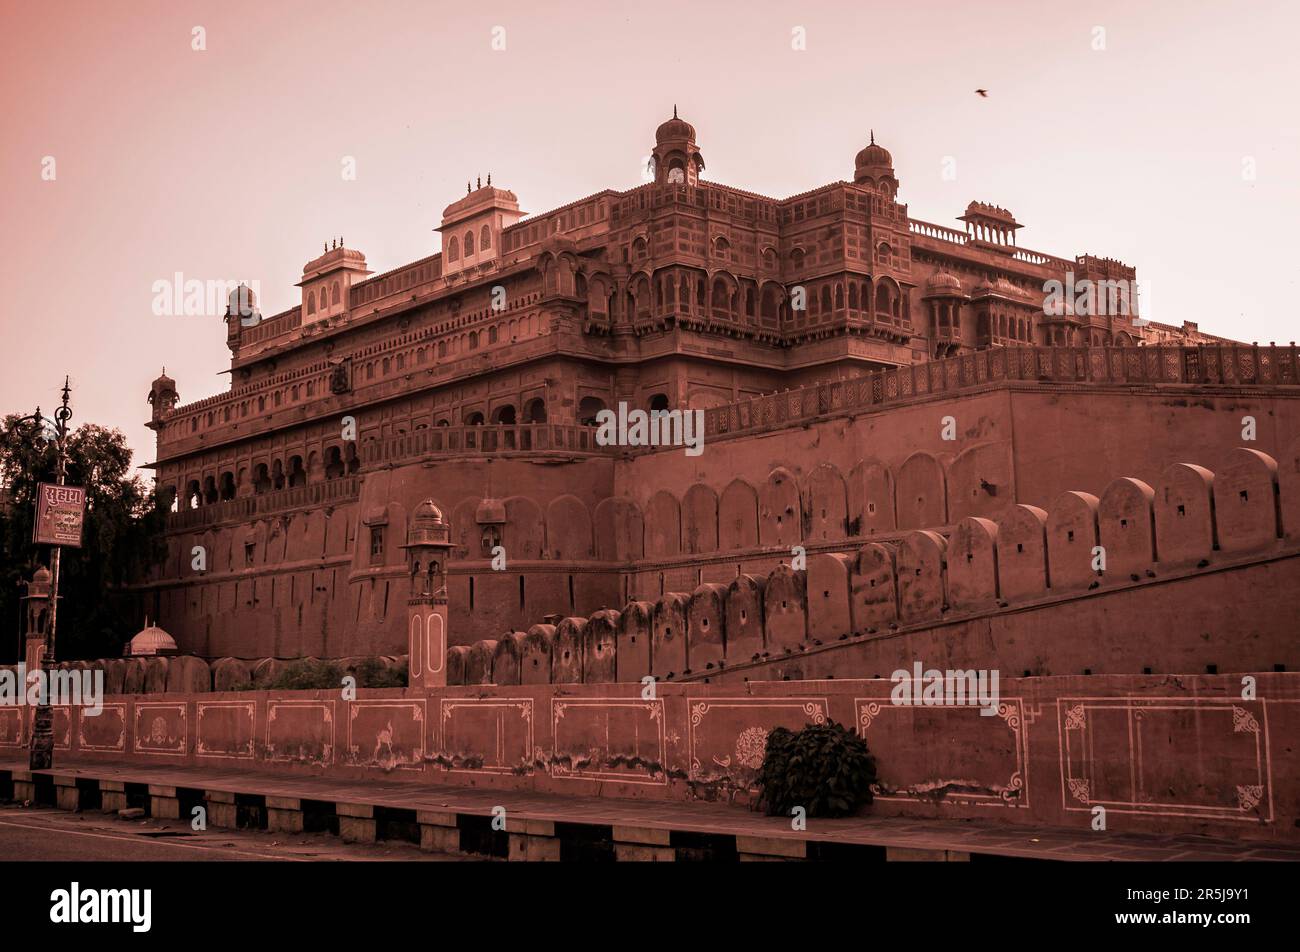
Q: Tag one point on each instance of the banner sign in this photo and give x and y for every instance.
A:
(60, 511)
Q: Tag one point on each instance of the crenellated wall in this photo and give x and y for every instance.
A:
(589, 533)
(1199, 572)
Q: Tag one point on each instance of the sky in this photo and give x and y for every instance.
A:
(148, 137)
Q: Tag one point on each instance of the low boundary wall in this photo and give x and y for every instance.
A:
(1184, 754)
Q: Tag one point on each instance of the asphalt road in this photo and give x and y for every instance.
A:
(43, 833)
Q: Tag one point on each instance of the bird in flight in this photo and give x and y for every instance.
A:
(983, 92)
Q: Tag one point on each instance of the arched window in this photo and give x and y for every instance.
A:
(722, 248)
(638, 249)
(473, 340)
(473, 418)
(485, 239)
(882, 253)
(535, 411)
(721, 299)
(334, 467)
(334, 297)
(311, 302)
(588, 408)
(453, 249)
(469, 243)
(658, 402)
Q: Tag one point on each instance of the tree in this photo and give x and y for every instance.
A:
(121, 538)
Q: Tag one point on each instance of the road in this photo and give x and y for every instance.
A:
(43, 833)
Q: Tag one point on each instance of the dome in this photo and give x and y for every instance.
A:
(428, 512)
(1002, 288)
(874, 156)
(428, 525)
(39, 586)
(675, 129)
(941, 283)
(242, 300)
(151, 640)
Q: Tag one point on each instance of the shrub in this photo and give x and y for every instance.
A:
(824, 768)
(310, 674)
(373, 673)
(307, 675)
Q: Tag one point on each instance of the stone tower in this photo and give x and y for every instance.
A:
(162, 397)
(428, 545)
(676, 156)
(38, 618)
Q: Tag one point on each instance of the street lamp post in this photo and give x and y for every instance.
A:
(42, 749)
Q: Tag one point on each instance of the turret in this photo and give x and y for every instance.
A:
(677, 159)
(471, 227)
(162, 398)
(428, 546)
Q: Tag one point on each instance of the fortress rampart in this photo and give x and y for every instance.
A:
(314, 570)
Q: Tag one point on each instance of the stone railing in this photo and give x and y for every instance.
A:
(562, 438)
(343, 489)
(1228, 364)
(938, 232)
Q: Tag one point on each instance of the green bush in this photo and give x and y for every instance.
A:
(373, 673)
(307, 675)
(312, 675)
(824, 768)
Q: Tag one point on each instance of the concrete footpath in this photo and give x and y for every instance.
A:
(449, 818)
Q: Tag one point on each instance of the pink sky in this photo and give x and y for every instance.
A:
(226, 163)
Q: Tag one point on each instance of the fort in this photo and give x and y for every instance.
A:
(673, 295)
(972, 545)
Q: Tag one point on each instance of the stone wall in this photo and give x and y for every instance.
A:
(1160, 754)
(1199, 570)
(590, 533)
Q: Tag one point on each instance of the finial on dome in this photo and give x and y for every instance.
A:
(489, 180)
(873, 137)
(674, 110)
